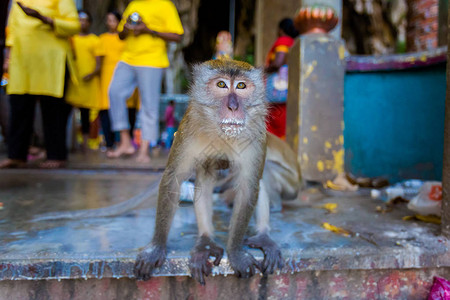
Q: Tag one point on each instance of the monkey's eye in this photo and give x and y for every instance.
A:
(241, 85)
(221, 84)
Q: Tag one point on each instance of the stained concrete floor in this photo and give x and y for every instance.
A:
(106, 247)
(93, 160)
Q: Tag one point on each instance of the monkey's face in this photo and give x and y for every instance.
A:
(231, 95)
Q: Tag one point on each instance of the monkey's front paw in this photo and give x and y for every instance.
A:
(148, 259)
(243, 263)
(272, 253)
(200, 266)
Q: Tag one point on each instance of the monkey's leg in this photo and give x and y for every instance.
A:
(205, 247)
(262, 240)
(154, 254)
(242, 262)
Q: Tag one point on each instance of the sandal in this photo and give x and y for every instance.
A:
(53, 164)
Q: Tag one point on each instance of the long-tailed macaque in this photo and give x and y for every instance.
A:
(223, 128)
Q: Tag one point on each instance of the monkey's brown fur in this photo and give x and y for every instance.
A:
(223, 127)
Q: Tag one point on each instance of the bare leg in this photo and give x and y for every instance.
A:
(125, 147)
(242, 262)
(84, 145)
(154, 254)
(143, 155)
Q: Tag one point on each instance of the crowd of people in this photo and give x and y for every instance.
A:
(53, 59)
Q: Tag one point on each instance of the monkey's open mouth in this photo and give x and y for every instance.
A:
(232, 127)
(234, 122)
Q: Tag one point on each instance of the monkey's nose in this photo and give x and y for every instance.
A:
(233, 103)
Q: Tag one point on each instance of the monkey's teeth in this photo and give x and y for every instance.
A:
(232, 122)
(232, 127)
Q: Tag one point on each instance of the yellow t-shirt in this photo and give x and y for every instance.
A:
(112, 50)
(112, 47)
(146, 50)
(86, 94)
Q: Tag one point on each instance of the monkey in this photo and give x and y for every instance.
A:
(281, 179)
(281, 176)
(240, 125)
(223, 128)
(280, 182)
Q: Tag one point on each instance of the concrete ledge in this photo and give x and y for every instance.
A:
(106, 247)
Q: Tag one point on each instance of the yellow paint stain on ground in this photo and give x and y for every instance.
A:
(335, 229)
(330, 207)
(305, 140)
(305, 157)
(329, 164)
(327, 145)
(342, 125)
(341, 139)
(308, 71)
(320, 166)
(314, 128)
(296, 139)
(338, 158)
(341, 52)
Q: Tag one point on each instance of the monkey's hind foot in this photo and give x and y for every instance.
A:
(243, 263)
(148, 259)
(272, 253)
(200, 265)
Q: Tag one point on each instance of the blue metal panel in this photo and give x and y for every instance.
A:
(394, 123)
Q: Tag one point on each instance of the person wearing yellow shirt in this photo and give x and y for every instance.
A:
(88, 60)
(113, 47)
(146, 26)
(38, 52)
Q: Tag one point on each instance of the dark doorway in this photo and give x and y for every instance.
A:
(213, 16)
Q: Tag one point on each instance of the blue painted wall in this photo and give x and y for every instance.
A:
(394, 123)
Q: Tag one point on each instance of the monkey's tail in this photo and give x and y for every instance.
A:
(109, 211)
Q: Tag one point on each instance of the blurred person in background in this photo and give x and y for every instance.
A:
(146, 26)
(277, 79)
(37, 58)
(113, 47)
(169, 117)
(88, 59)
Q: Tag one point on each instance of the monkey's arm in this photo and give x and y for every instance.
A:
(272, 253)
(154, 254)
(249, 172)
(178, 170)
(204, 246)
